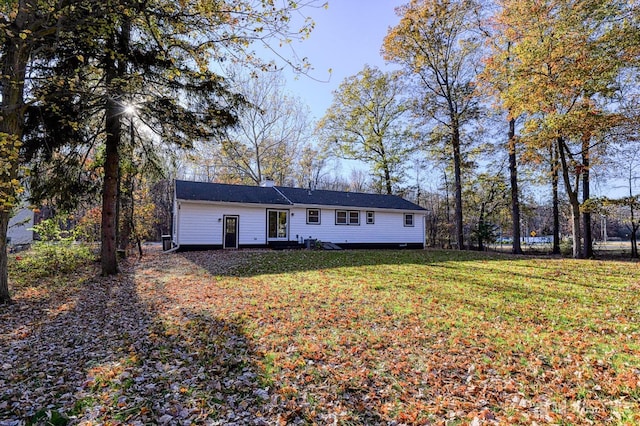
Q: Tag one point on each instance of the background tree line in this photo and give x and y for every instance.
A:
(104, 103)
(97, 95)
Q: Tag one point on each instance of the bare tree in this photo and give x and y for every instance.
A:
(270, 134)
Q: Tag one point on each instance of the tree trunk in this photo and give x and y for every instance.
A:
(387, 179)
(481, 228)
(109, 232)
(586, 216)
(447, 208)
(109, 260)
(15, 56)
(115, 73)
(553, 151)
(5, 296)
(457, 170)
(573, 200)
(125, 214)
(515, 197)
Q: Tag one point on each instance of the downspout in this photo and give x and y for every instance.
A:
(177, 230)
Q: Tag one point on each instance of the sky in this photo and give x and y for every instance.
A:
(348, 35)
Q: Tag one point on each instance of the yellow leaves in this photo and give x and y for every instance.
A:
(9, 184)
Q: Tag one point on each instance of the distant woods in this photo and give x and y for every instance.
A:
(499, 117)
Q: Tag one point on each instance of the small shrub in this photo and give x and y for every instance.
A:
(56, 253)
(48, 259)
(566, 247)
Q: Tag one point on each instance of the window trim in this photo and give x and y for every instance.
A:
(357, 212)
(373, 217)
(413, 222)
(288, 224)
(347, 214)
(319, 217)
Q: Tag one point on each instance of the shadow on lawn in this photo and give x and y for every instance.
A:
(247, 263)
(111, 354)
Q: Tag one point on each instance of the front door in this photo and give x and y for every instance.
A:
(231, 232)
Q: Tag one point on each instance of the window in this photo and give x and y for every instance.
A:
(408, 219)
(313, 216)
(341, 217)
(354, 218)
(371, 219)
(347, 217)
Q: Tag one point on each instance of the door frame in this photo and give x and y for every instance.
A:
(224, 230)
(286, 237)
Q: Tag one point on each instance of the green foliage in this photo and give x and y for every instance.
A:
(368, 121)
(56, 253)
(49, 417)
(485, 232)
(566, 247)
(46, 259)
(51, 230)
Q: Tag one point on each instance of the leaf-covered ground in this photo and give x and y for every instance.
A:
(307, 337)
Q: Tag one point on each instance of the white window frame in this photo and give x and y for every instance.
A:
(348, 215)
(371, 215)
(279, 229)
(309, 222)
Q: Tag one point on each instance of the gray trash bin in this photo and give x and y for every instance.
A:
(166, 242)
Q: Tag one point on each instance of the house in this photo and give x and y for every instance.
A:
(19, 233)
(215, 215)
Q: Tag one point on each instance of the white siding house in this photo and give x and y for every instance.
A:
(19, 232)
(210, 215)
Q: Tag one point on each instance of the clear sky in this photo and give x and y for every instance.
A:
(348, 35)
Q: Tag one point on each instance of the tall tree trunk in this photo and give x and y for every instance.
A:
(115, 73)
(125, 183)
(634, 223)
(634, 239)
(15, 56)
(457, 170)
(515, 197)
(5, 295)
(387, 179)
(573, 198)
(447, 208)
(553, 152)
(109, 259)
(586, 216)
(481, 228)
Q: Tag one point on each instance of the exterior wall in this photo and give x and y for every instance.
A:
(201, 224)
(388, 227)
(19, 227)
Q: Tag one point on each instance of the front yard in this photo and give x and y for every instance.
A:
(312, 337)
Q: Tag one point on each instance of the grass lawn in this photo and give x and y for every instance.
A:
(313, 337)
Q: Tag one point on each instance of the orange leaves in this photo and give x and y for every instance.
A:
(193, 337)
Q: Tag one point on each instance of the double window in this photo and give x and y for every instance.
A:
(347, 217)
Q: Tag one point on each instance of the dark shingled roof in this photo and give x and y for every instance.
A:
(228, 193)
(347, 199)
(288, 196)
